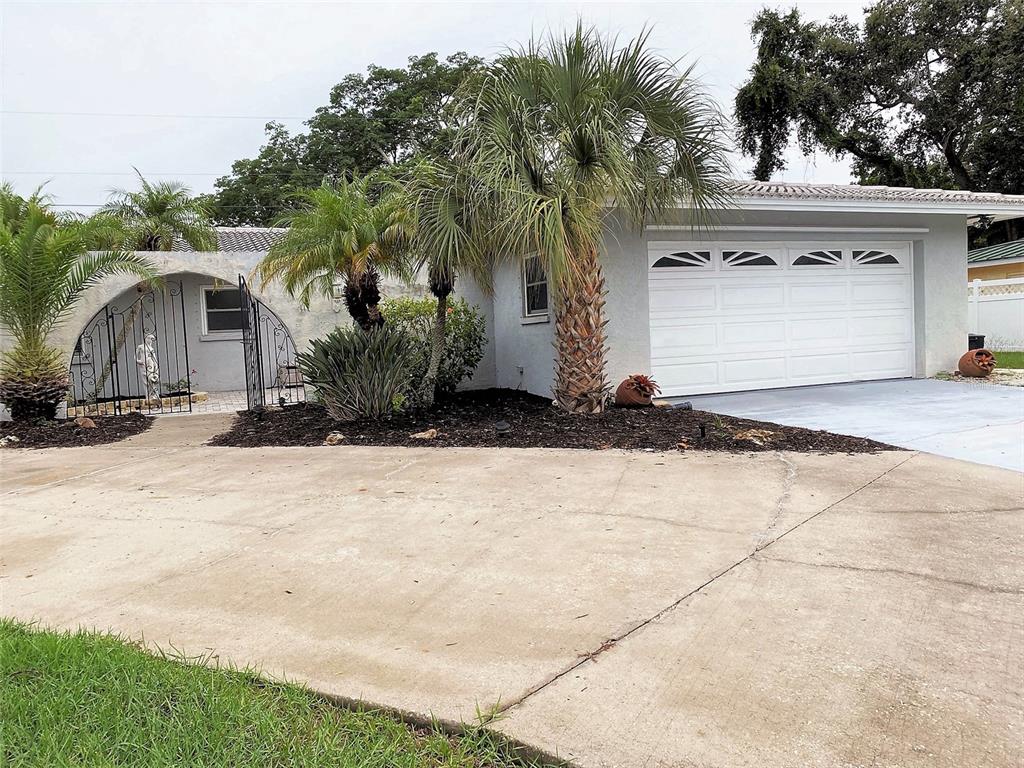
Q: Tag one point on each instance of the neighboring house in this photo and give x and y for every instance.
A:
(797, 284)
(996, 262)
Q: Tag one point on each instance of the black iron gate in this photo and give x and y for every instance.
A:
(133, 358)
(272, 374)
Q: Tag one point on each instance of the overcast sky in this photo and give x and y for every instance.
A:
(180, 90)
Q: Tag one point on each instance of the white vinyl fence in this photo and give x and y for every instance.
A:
(996, 309)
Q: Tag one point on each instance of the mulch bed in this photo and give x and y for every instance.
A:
(68, 434)
(468, 420)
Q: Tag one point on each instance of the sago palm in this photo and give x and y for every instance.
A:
(158, 216)
(341, 233)
(45, 267)
(562, 135)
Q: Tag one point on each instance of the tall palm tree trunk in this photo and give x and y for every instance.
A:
(429, 384)
(581, 385)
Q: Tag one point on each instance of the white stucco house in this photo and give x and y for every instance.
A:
(797, 284)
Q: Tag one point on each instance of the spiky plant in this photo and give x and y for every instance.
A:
(349, 232)
(156, 217)
(562, 134)
(45, 267)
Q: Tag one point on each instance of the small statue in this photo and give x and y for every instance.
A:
(145, 358)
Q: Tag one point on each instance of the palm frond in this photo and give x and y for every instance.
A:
(45, 267)
(158, 216)
(570, 127)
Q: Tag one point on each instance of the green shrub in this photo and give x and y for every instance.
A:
(465, 334)
(362, 374)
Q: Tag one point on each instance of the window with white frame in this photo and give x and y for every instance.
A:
(222, 310)
(535, 288)
(747, 259)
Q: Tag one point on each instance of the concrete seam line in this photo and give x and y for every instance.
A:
(613, 641)
(100, 471)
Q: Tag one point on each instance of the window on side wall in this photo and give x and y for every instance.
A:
(535, 288)
(222, 310)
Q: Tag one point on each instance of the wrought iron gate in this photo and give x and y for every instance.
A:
(272, 374)
(134, 357)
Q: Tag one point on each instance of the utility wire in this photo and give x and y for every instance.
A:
(149, 114)
(55, 113)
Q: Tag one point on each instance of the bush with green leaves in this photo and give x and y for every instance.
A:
(465, 333)
(362, 374)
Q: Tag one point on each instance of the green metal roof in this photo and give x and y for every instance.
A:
(1011, 250)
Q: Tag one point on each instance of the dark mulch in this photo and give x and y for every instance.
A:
(68, 434)
(468, 419)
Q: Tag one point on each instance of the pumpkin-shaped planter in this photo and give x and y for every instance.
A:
(977, 363)
(636, 391)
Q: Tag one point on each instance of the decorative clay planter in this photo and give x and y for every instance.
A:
(977, 363)
(636, 391)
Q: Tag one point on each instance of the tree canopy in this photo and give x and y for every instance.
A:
(925, 93)
(381, 118)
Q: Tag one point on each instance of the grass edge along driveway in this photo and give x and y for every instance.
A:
(85, 698)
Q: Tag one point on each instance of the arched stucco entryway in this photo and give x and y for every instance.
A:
(303, 323)
(191, 322)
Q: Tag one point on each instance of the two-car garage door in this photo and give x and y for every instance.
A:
(736, 316)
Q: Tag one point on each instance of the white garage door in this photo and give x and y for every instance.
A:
(733, 316)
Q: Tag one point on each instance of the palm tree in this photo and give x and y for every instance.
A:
(560, 136)
(442, 236)
(45, 267)
(341, 232)
(158, 216)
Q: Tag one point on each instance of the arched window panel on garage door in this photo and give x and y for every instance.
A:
(687, 259)
(875, 257)
(817, 258)
(734, 258)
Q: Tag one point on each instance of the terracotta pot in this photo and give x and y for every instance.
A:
(629, 395)
(976, 363)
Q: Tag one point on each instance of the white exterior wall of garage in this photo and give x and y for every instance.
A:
(920, 328)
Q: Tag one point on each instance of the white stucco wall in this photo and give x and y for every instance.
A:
(475, 296)
(524, 355)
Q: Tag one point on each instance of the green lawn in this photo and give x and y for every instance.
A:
(84, 699)
(1009, 359)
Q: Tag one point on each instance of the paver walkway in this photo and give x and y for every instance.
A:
(623, 609)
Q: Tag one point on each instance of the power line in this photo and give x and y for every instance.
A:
(54, 113)
(149, 114)
(114, 173)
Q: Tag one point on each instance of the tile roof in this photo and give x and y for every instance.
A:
(259, 239)
(251, 239)
(856, 192)
(1011, 250)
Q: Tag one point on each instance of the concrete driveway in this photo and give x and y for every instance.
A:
(620, 609)
(971, 421)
